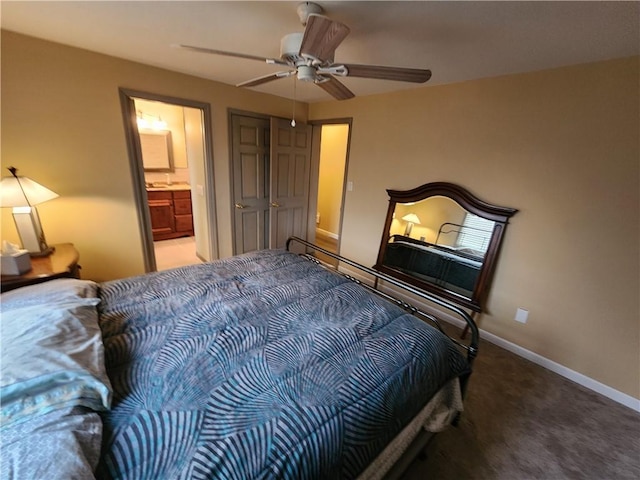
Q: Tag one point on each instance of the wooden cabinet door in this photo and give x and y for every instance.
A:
(182, 211)
(171, 215)
(182, 206)
(184, 224)
(162, 217)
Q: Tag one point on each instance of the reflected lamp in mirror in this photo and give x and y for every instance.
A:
(23, 194)
(411, 219)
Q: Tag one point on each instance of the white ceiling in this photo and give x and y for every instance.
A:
(458, 41)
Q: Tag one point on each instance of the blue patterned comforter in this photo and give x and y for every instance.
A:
(260, 366)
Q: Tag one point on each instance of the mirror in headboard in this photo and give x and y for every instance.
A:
(441, 238)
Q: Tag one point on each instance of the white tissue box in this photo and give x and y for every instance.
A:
(15, 263)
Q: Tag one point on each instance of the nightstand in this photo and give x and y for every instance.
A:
(62, 263)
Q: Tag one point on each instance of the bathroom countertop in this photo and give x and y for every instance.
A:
(158, 187)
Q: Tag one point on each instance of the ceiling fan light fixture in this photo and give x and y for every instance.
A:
(306, 73)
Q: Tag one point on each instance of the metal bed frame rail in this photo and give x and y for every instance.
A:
(483, 239)
(471, 348)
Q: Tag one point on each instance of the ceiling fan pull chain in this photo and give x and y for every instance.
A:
(293, 115)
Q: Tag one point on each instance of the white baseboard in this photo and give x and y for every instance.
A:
(587, 382)
(579, 378)
(327, 233)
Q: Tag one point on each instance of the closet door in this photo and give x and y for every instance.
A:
(250, 159)
(271, 168)
(289, 175)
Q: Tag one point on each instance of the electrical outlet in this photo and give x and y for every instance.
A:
(521, 315)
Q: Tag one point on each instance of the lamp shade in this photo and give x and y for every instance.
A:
(411, 217)
(23, 192)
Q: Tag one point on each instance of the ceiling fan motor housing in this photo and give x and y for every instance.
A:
(290, 48)
(290, 51)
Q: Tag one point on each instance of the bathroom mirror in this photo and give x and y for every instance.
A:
(157, 151)
(442, 239)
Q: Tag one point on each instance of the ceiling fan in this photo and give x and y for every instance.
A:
(309, 55)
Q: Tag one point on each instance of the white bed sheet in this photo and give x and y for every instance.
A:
(434, 417)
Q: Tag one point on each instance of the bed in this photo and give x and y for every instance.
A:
(263, 365)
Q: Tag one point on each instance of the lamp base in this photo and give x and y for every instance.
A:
(30, 231)
(407, 231)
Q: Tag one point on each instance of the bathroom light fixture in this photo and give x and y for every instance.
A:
(411, 219)
(147, 121)
(22, 194)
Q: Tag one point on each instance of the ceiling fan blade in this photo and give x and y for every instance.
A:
(321, 37)
(266, 78)
(400, 74)
(336, 89)
(229, 54)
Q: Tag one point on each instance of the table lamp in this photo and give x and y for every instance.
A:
(22, 194)
(410, 218)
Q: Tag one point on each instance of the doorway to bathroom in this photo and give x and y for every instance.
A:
(172, 167)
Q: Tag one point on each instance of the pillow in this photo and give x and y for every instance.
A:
(52, 355)
(63, 444)
(48, 292)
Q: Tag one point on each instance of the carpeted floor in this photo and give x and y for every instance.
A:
(524, 422)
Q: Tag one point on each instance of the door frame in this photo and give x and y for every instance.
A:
(315, 174)
(137, 170)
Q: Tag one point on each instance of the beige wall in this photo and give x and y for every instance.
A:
(559, 145)
(62, 126)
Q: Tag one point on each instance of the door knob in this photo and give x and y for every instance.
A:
(275, 205)
(240, 206)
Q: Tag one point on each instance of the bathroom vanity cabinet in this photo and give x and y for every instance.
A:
(171, 214)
